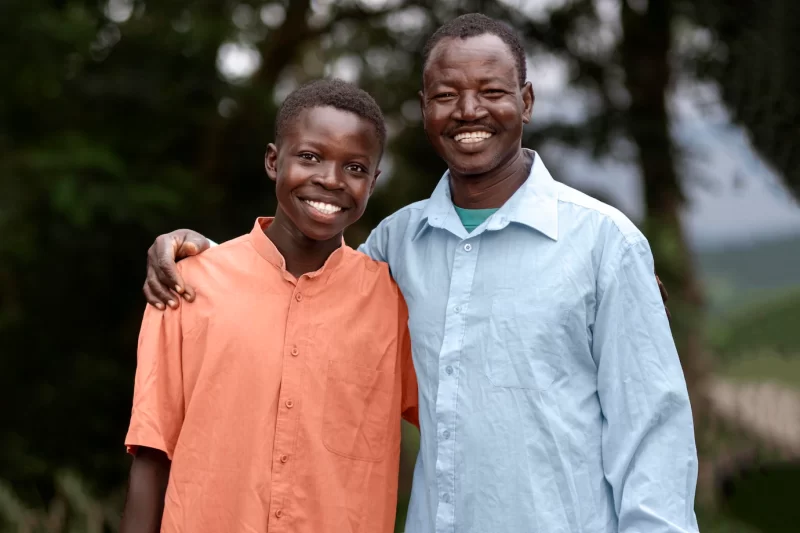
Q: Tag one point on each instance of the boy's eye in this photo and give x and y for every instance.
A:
(356, 168)
(308, 157)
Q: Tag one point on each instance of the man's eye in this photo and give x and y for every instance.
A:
(442, 96)
(494, 92)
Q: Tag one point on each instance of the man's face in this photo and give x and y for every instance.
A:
(325, 169)
(473, 107)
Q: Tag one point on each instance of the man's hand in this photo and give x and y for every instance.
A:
(162, 274)
(664, 295)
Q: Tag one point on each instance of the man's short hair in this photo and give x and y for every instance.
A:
(473, 25)
(334, 93)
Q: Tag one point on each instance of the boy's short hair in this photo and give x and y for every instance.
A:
(334, 93)
(474, 25)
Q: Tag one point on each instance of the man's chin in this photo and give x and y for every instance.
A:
(470, 166)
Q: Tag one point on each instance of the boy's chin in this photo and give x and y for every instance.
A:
(316, 233)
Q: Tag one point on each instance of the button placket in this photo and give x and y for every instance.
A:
(464, 265)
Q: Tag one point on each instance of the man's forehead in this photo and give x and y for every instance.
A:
(486, 53)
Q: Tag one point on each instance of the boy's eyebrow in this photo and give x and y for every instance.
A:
(308, 143)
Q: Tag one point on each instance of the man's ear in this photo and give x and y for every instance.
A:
(374, 181)
(527, 102)
(271, 161)
(422, 107)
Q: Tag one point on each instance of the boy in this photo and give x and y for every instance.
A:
(273, 402)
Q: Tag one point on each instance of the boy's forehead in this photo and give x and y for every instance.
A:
(331, 125)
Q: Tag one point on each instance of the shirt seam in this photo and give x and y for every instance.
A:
(629, 238)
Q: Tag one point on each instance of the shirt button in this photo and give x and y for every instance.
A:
(289, 404)
(278, 513)
(446, 498)
(457, 309)
(446, 434)
(284, 458)
(295, 352)
(298, 296)
(449, 369)
(467, 247)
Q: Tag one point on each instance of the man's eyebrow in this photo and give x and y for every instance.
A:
(491, 80)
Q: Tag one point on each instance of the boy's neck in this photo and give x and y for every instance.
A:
(302, 255)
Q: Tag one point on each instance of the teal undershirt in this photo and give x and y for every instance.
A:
(472, 218)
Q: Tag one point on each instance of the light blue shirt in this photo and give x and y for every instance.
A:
(551, 395)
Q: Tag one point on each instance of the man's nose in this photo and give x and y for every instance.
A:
(470, 107)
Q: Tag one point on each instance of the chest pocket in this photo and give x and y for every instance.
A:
(358, 411)
(526, 347)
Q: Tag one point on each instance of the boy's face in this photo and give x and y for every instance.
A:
(472, 104)
(325, 169)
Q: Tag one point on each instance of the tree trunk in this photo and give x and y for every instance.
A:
(645, 58)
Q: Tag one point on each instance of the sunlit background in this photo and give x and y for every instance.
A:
(124, 119)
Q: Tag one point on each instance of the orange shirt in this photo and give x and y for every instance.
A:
(278, 399)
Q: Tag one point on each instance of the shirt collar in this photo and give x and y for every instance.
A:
(267, 249)
(534, 204)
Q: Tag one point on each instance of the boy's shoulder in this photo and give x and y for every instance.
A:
(374, 274)
(226, 254)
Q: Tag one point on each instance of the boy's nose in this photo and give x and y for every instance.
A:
(329, 178)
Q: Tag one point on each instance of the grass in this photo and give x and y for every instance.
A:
(766, 323)
(765, 365)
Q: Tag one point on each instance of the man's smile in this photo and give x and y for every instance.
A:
(472, 137)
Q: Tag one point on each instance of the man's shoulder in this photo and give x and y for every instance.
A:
(373, 273)
(600, 215)
(404, 216)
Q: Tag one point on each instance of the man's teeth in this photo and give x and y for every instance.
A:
(472, 136)
(322, 207)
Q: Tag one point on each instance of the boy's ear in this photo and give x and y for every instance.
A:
(374, 181)
(271, 161)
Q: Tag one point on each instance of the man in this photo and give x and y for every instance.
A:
(551, 394)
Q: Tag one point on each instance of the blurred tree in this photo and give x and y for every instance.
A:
(752, 55)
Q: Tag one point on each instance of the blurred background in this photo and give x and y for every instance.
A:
(123, 119)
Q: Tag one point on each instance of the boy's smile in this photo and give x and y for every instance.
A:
(325, 168)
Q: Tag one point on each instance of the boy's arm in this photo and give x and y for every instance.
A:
(144, 504)
(156, 418)
(648, 444)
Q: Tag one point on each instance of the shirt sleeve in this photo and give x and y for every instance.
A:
(648, 444)
(410, 399)
(377, 244)
(158, 400)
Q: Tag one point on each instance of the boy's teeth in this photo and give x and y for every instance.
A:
(472, 136)
(322, 207)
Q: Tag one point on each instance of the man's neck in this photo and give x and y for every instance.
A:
(494, 188)
(301, 254)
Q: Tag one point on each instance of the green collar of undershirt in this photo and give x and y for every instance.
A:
(472, 218)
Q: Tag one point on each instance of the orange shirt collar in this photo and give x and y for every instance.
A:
(267, 249)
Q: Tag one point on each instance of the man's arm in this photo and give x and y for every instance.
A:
(648, 444)
(144, 504)
(409, 408)
(162, 273)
